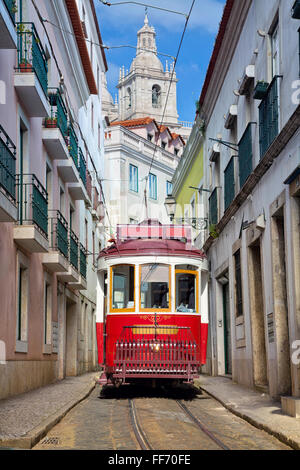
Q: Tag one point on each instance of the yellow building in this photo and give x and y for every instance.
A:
(188, 186)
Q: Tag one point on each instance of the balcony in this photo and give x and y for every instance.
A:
(78, 191)
(55, 131)
(81, 284)
(72, 274)
(8, 35)
(8, 208)
(245, 156)
(31, 76)
(57, 258)
(68, 169)
(268, 117)
(32, 231)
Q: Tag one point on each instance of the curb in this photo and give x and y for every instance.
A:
(30, 439)
(264, 427)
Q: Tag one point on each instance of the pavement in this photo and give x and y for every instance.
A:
(255, 407)
(26, 418)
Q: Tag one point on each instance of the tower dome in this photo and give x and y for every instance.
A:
(146, 56)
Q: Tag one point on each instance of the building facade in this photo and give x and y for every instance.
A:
(250, 105)
(145, 140)
(51, 161)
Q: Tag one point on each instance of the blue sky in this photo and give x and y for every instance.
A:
(119, 25)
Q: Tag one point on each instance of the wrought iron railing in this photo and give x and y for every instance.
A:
(156, 351)
(229, 184)
(245, 156)
(82, 167)
(58, 113)
(214, 208)
(268, 117)
(74, 250)
(83, 261)
(59, 233)
(31, 55)
(32, 202)
(7, 165)
(73, 145)
(11, 6)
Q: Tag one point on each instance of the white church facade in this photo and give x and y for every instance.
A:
(145, 140)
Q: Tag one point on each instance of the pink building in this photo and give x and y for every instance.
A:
(51, 154)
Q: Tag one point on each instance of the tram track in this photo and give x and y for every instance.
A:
(143, 440)
(139, 433)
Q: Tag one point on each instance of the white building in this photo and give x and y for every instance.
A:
(250, 103)
(140, 152)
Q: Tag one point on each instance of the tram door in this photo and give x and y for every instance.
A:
(227, 330)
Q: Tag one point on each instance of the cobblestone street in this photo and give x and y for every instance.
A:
(105, 424)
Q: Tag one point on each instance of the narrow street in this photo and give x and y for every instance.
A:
(157, 422)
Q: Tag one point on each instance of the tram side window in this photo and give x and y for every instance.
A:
(155, 286)
(123, 288)
(186, 292)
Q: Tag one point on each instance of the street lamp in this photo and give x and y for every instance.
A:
(170, 205)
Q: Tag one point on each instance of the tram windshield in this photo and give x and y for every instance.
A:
(155, 286)
(123, 287)
(186, 289)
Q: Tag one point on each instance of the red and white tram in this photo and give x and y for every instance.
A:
(151, 322)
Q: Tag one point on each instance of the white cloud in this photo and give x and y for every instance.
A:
(206, 15)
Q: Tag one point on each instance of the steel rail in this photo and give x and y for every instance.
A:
(201, 425)
(139, 434)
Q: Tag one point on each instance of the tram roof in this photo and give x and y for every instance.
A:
(151, 247)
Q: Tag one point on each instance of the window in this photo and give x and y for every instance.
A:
(129, 97)
(86, 235)
(122, 284)
(156, 96)
(186, 291)
(153, 186)
(164, 145)
(176, 151)
(22, 307)
(133, 178)
(155, 287)
(72, 212)
(275, 51)
(150, 137)
(47, 317)
(169, 188)
(238, 284)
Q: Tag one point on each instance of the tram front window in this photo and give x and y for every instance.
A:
(123, 287)
(155, 286)
(186, 291)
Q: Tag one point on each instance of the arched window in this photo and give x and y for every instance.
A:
(129, 97)
(156, 96)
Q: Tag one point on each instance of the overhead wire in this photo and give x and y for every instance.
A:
(166, 101)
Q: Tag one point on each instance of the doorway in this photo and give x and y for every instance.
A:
(71, 338)
(281, 303)
(227, 324)
(257, 312)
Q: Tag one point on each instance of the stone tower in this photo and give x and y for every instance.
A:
(143, 91)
